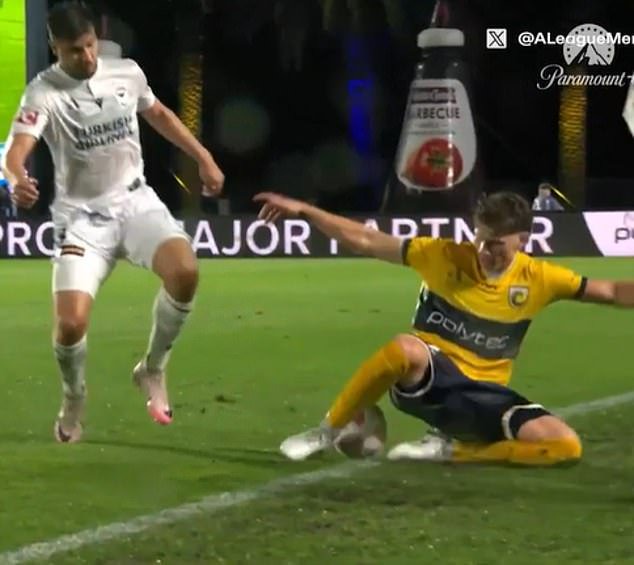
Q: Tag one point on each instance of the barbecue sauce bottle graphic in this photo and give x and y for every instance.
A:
(435, 167)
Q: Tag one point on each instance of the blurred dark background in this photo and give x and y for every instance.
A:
(307, 96)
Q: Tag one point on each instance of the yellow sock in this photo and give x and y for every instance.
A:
(369, 383)
(547, 452)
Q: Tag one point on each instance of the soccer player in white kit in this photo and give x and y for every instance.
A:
(86, 109)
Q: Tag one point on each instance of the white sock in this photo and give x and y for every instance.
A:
(169, 317)
(72, 364)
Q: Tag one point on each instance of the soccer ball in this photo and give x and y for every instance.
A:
(365, 436)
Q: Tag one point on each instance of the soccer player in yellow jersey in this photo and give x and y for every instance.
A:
(453, 369)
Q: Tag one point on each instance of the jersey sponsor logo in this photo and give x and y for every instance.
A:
(104, 134)
(518, 295)
(27, 117)
(488, 339)
(463, 333)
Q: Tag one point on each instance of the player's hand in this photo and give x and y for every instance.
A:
(212, 177)
(25, 193)
(275, 205)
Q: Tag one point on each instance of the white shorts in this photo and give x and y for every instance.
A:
(88, 243)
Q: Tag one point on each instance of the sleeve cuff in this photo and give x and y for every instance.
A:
(18, 129)
(404, 249)
(582, 288)
(146, 102)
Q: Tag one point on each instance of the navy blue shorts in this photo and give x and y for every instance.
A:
(463, 408)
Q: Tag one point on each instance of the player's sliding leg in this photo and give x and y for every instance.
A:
(557, 446)
(490, 423)
(175, 263)
(405, 360)
(546, 440)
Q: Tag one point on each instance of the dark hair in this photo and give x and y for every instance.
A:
(70, 20)
(504, 213)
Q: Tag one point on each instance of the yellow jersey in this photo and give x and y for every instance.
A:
(479, 323)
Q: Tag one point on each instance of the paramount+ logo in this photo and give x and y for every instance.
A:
(612, 232)
(626, 231)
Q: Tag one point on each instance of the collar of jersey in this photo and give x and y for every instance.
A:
(500, 278)
(73, 81)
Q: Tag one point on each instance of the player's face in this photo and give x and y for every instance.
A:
(78, 58)
(496, 253)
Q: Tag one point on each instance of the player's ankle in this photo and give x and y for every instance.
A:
(328, 430)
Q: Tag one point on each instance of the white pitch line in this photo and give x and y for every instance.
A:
(595, 405)
(217, 502)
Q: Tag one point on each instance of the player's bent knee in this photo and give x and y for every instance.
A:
(546, 427)
(185, 275)
(72, 312)
(566, 449)
(570, 443)
(70, 329)
(572, 448)
(413, 348)
(177, 266)
(568, 446)
(417, 355)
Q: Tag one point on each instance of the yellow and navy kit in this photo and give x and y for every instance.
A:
(479, 323)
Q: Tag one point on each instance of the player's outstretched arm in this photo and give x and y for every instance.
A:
(169, 125)
(24, 188)
(357, 237)
(617, 293)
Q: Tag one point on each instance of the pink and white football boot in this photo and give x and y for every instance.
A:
(153, 386)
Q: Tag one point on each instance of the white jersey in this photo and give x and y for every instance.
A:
(91, 129)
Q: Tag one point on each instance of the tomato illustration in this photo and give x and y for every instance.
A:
(437, 163)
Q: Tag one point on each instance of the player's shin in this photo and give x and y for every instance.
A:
(169, 316)
(369, 383)
(71, 360)
(539, 453)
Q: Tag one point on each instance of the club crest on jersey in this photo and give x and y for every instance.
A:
(518, 295)
(27, 117)
(121, 94)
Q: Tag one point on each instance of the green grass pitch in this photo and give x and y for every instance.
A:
(267, 348)
(12, 60)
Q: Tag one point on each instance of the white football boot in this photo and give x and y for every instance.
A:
(68, 428)
(434, 447)
(301, 446)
